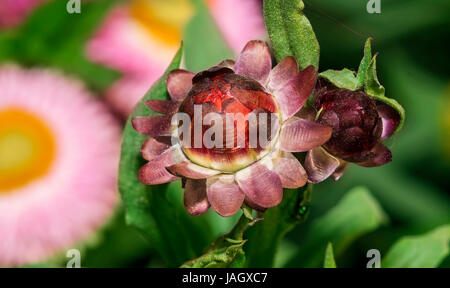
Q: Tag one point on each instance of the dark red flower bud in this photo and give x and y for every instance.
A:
(353, 115)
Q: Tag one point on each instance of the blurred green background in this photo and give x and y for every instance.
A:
(413, 191)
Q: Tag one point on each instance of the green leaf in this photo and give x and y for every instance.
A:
(365, 62)
(156, 210)
(376, 90)
(344, 78)
(291, 32)
(356, 214)
(423, 251)
(226, 251)
(203, 44)
(265, 236)
(329, 257)
(59, 41)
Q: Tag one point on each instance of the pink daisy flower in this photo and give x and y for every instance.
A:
(225, 176)
(59, 152)
(139, 39)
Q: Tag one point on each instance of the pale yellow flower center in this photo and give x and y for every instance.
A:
(163, 19)
(27, 148)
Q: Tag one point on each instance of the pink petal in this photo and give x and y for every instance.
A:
(340, 170)
(254, 61)
(381, 155)
(260, 184)
(298, 135)
(155, 172)
(243, 20)
(293, 94)
(290, 170)
(179, 82)
(281, 73)
(390, 119)
(224, 194)
(152, 149)
(162, 106)
(155, 126)
(190, 170)
(319, 165)
(253, 205)
(195, 199)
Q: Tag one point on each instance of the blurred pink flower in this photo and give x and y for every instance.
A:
(59, 151)
(12, 12)
(139, 39)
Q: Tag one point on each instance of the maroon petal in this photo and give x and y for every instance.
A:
(193, 171)
(155, 126)
(298, 135)
(294, 93)
(319, 165)
(307, 113)
(152, 149)
(254, 61)
(179, 82)
(162, 106)
(155, 172)
(380, 155)
(390, 119)
(340, 170)
(224, 194)
(195, 199)
(260, 184)
(281, 73)
(291, 172)
(228, 63)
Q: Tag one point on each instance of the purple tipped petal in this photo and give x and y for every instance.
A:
(193, 171)
(228, 63)
(155, 126)
(152, 149)
(260, 184)
(254, 61)
(253, 205)
(300, 135)
(319, 165)
(162, 106)
(380, 155)
(195, 199)
(155, 172)
(294, 93)
(390, 119)
(291, 172)
(179, 82)
(281, 73)
(224, 194)
(340, 170)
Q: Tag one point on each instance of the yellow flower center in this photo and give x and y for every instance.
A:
(27, 148)
(163, 19)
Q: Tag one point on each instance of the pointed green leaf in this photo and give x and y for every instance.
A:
(291, 32)
(155, 210)
(365, 62)
(344, 78)
(423, 251)
(329, 261)
(376, 90)
(265, 236)
(356, 214)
